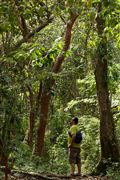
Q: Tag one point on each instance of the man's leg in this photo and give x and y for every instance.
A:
(79, 169)
(72, 169)
(78, 162)
(71, 160)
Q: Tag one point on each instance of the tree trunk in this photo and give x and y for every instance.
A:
(3, 160)
(34, 106)
(45, 99)
(31, 117)
(31, 128)
(109, 144)
(46, 90)
(6, 168)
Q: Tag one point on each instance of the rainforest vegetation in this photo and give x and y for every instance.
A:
(59, 59)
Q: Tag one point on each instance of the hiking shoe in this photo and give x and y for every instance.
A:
(77, 174)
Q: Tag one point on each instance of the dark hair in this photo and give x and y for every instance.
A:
(75, 119)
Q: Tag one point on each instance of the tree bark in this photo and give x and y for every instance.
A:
(48, 84)
(31, 118)
(6, 168)
(34, 106)
(108, 140)
(3, 159)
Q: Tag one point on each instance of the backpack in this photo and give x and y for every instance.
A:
(78, 137)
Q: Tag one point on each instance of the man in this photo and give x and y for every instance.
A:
(74, 148)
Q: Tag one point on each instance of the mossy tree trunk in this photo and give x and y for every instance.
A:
(34, 99)
(108, 140)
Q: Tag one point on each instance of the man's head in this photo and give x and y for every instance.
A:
(75, 120)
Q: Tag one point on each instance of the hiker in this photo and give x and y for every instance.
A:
(74, 148)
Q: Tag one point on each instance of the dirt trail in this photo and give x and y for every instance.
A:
(38, 176)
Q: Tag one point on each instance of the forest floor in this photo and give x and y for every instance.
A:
(32, 176)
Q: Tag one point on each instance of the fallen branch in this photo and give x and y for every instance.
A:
(32, 174)
(41, 176)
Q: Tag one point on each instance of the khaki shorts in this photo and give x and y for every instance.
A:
(74, 155)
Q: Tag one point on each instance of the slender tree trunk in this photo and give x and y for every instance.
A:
(46, 90)
(32, 116)
(3, 160)
(109, 144)
(6, 168)
(45, 99)
(34, 106)
(31, 128)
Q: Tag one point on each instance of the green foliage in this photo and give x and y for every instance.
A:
(113, 68)
(114, 171)
(1, 175)
(74, 93)
(59, 160)
(90, 148)
(21, 155)
(116, 112)
(10, 120)
(8, 17)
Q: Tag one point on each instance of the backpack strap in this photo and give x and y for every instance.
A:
(70, 134)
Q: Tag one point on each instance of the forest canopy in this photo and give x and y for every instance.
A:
(58, 60)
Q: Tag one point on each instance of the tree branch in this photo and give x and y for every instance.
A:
(30, 35)
(67, 40)
(21, 21)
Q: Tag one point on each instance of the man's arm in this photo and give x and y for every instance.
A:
(73, 132)
(73, 137)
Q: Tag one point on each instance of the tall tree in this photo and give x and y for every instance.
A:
(108, 140)
(20, 23)
(34, 99)
(49, 82)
